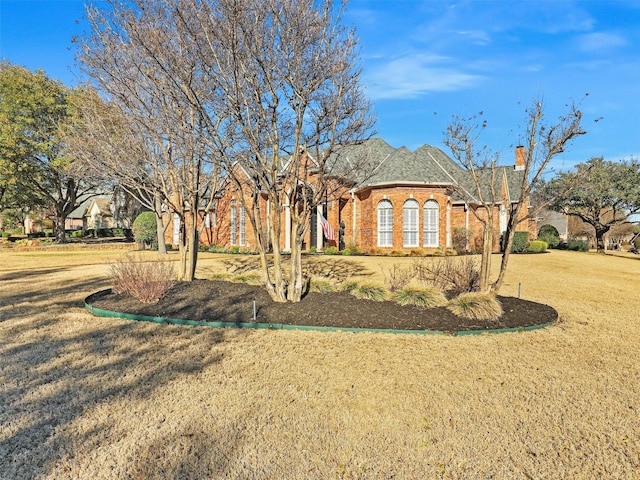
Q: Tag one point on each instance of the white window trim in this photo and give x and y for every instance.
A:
(429, 228)
(385, 225)
(410, 226)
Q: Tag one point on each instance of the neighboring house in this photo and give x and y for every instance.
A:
(118, 210)
(99, 214)
(410, 200)
(558, 220)
(75, 220)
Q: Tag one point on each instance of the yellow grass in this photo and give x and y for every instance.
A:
(86, 397)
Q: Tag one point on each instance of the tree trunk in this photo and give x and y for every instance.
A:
(487, 250)
(192, 252)
(58, 221)
(296, 281)
(600, 245)
(277, 291)
(160, 228)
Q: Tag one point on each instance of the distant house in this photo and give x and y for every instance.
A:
(558, 220)
(99, 213)
(412, 200)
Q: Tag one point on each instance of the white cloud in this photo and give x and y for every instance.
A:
(600, 42)
(412, 76)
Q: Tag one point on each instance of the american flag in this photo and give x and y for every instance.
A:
(328, 230)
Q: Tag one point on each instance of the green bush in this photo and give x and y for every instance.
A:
(77, 234)
(476, 305)
(6, 234)
(144, 228)
(549, 234)
(422, 297)
(235, 249)
(577, 246)
(331, 250)
(352, 249)
(520, 242)
(537, 246)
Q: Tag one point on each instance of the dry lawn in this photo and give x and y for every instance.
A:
(84, 397)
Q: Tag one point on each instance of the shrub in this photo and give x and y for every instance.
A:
(476, 305)
(235, 249)
(144, 228)
(578, 246)
(520, 242)
(549, 234)
(397, 277)
(460, 239)
(537, 246)
(457, 275)
(377, 251)
(353, 249)
(397, 253)
(349, 285)
(422, 297)
(417, 252)
(77, 234)
(226, 277)
(331, 250)
(370, 291)
(146, 281)
(321, 285)
(249, 278)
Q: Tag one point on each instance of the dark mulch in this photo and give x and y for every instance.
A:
(219, 301)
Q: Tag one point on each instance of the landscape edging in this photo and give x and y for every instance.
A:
(280, 326)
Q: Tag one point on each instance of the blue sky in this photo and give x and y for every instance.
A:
(427, 60)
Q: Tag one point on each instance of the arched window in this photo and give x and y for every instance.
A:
(410, 223)
(385, 224)
(431, 216)
(243, 227)
(233, 228)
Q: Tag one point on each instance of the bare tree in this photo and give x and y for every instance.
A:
(542, 143)
(462, 136)
(108, 147)
(291, 92)
(137, 54)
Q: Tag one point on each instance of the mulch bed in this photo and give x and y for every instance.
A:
(220, 301)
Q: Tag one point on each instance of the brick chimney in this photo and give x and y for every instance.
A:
(521, 157)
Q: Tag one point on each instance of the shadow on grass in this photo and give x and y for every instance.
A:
(337, 269)
(55, 371)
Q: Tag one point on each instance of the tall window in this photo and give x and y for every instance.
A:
(410, 223)
(385, 224)
(431, 216)
(233, 227)
(243, 227)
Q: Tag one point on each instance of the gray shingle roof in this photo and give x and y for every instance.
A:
(375, 163)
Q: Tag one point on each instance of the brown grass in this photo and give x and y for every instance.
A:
(86, 397)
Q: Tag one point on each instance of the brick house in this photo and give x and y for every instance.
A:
(411, 200)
